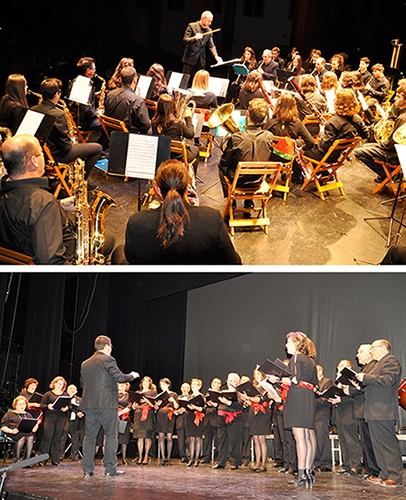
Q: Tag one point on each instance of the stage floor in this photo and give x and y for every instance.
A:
(303, 230)
(154, 482)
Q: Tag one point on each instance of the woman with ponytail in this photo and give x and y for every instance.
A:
(177, 233)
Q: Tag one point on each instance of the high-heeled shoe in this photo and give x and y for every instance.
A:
(301, 481)
(190, 463)
(196, 464)
(311, 475)
(124, 461)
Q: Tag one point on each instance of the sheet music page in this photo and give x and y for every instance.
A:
(31, 121)
(175, 80)
(143, 85)
(141, 156)
(330, 97)
(81, 90)
(401, 151)
(218, 86)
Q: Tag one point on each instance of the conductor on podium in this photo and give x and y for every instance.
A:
(198, 36)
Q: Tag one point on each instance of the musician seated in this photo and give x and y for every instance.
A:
(250, 89)
(9, 425)
(296, 65)
(386, 151)
(254, 144)
(319, 70)
(167, 122)
(13, 103)
(60, 143)
(85, 115)
(249, 60)
(204, 98)
(275, 55)
(309, 89)
(267, 67)
(177, 233)
(344, 124)
(285, 123)
(32, 220)
(363, 69)
(376, 90)
(115, 81)
(125, 105)
(157, 72)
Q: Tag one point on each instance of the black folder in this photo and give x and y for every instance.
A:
(347, 377)
(36, 398)
(277, 368)
(331, 393)
(248, 389)
(197, 401)
(214, 395)
(27, 424)
(62, 401)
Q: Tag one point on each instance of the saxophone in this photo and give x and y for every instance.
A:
(61, 104)
(90, 219)
(102, 97)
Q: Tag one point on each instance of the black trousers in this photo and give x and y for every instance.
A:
(386, 449)
(230, 441)
(323, 450)
(54, 424)
(371, 466)
(89, 152)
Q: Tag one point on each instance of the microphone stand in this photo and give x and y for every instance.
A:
(20, 465)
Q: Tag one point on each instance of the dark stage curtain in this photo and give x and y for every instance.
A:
(43, 327)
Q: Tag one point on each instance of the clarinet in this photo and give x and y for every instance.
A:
(312, 108)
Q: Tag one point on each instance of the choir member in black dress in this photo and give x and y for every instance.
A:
(9, 425)
(204, 98)
(13, 103)
(124, 409)
(181, 425)
(115, 81)
(300, 405)
(210, 425)
(28, 391)
(246, 436)
(260, 421)
(54, 420)
(194, 423)
(230, 427)
(165, 420)
(144, 420)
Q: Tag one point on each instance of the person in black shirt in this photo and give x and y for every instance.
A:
(125, 105)
(32, 220)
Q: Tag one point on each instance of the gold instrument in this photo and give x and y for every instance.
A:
(221, 117)
(397, 49)
(399, 136)
(36, 95)
(384, 128)
(61, 104)
(90, 219)
(183, 101)
(102, 97)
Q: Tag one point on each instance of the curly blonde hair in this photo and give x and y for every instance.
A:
(345, 103)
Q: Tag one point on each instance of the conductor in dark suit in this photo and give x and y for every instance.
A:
(196, 42)
(99, 377)
(381, 412)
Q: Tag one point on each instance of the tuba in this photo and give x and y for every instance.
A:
(222, 117)
(90, 219)
(183, 101)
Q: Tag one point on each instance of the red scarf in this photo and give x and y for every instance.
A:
(145, 410)
(230, 415)
(199, 415)
(260, 407)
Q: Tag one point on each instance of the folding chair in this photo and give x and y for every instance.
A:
(82, 135)
(391, 171)
(268, 172)
(321, 172)
(15, 258)
(109, 124)
(60, 171)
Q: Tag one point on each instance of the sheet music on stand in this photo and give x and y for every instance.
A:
(177, 80)
(218, 86)
(145, 86)
(34, 123)
(81, 89)
(401, 151)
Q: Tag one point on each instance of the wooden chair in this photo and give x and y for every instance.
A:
(82, 135)
(322, 172)
(269, 172)
(16, 258)
(60, 171)
(109, 124)
(391, 171)
(151, 105)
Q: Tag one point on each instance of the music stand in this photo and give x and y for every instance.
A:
(401, 151)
